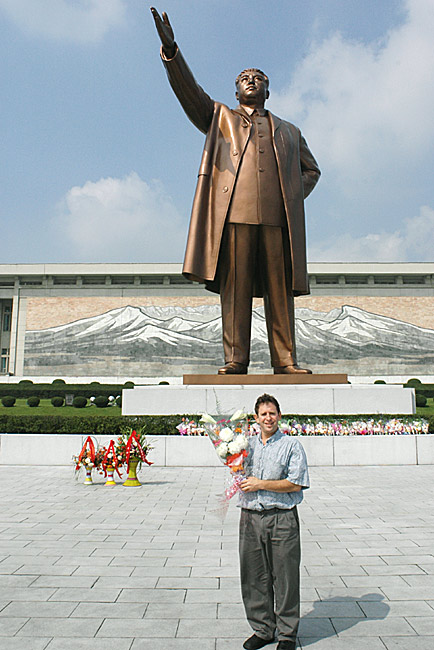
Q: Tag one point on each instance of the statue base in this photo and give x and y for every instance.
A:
(226, 394)
(262, 380)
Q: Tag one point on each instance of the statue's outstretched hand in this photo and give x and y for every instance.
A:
(165, 32)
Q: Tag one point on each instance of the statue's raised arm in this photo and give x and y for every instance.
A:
(165, 32)
(194, 100)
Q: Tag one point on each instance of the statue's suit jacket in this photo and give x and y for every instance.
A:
(227, 133)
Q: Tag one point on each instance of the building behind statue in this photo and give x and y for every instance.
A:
(147, 320)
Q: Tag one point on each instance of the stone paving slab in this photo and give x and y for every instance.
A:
(86, 568)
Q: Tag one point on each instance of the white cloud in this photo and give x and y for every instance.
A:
(364, 103)
(411, 243)
(366, 110)
(84, 21)
(120, 220)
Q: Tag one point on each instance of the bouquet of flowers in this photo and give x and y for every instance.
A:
(230, 439)
(132, 445)
(89, 457)
(190, 428)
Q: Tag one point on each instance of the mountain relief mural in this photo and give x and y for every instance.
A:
(171, 341)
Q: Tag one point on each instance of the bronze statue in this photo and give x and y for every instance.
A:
(247, 228)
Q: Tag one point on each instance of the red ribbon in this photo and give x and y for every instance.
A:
(114, 460)
(236, 461)
(139, 448)
(89, 442)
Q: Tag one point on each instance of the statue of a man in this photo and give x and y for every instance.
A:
(247, 228)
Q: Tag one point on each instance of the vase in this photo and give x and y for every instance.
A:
(110, 479)
(132, 480)
(88, 479)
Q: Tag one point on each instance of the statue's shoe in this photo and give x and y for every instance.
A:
(292, 370)
(233, 368)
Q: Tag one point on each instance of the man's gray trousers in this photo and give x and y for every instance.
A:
(270, 571)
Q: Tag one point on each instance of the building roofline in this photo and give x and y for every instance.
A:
(137, 268)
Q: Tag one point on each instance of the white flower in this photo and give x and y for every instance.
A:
(226, 434)
(111, 398)
(222, 450)
(238, 415)
(88, 461)
(92, 399)
(208, 419)
(238, 444)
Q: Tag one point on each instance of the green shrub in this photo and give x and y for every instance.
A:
(420, 400)
(101, 401)
(379, 381)
(163, 383)
(8, 401)
(57, 401)
(94, 383)
(119, 401)
(56, 382)
(33, 401)
(431, 424)
(128, 384)
(47, 391)
(88, 425)
(79, 402)
(413, 382)
(25, 382)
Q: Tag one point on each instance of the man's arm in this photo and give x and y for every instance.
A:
(253, 484)
(198, 106)
(310, 171)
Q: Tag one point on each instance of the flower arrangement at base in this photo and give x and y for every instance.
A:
(131, 450)
(230, 440)
(190, 428)
(88, 458)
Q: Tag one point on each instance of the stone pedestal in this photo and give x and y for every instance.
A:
(296, 399)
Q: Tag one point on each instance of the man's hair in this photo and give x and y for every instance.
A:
(252, 70)
(266, 399)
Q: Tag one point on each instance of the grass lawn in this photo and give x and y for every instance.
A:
(426, 411)
(46, 408)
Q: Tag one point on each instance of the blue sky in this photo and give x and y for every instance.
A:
(99, 163)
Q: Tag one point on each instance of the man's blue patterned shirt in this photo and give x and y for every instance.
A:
(282, 457)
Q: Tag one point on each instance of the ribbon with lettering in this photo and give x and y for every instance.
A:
(83, 452)
(110, 458)
(134, 446)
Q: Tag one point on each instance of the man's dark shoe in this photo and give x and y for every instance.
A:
(255, 642)
(286, 644)
(292, 370)
(233, 368)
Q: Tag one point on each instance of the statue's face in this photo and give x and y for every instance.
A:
(252, 88)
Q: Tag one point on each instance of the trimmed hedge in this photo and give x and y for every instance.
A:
(8, 401)
(421, 400)
(112, 426)
(47, 391)
(57, 401)
(33, 401)
(101, 401)
(79, 402)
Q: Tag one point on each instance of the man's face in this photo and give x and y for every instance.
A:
(268, 419)
(252, 89)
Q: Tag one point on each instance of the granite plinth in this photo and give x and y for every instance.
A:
(298, 399)
(264, 380)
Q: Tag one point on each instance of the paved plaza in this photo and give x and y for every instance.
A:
(92, 568)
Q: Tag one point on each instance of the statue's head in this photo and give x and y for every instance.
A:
(252, 87)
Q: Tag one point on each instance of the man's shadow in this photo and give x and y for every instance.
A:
(331, 617)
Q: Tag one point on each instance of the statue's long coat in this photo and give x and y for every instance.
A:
(227, 133)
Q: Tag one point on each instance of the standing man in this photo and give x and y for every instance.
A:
(270, 531)
(247, 228)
